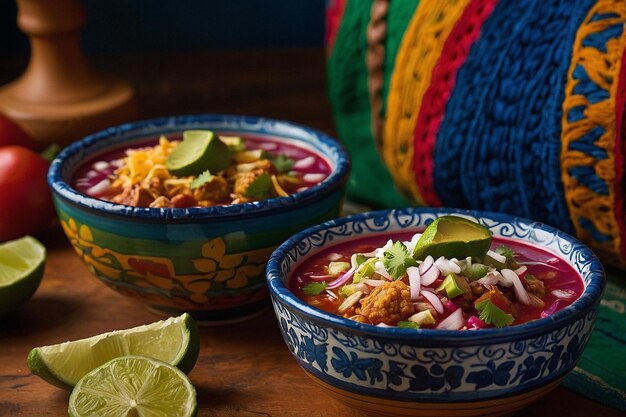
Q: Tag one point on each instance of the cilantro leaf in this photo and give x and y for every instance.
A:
(507, 252)
(201, 179)
(314, 288)
(492, 314)
(408, 324)
(397, 259)
(260, 187)
(282, 163)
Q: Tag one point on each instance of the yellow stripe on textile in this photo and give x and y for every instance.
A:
(602, 69)
(417, 56)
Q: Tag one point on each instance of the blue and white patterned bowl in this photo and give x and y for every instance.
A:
(396, 371)
(208, 261)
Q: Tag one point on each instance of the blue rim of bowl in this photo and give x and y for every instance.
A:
(582, 306)
(337, 177)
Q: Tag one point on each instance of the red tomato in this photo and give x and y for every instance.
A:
(25, 201)
(12, 134)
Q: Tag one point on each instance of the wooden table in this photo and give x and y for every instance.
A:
(243, 370)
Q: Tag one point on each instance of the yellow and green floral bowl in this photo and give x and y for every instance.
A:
(208, 261)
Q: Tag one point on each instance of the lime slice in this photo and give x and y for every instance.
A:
(21, 268)
(134, 386)
(199, 151)
(174, 341)
(453, 237)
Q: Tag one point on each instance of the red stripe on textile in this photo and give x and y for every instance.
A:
(620, 149)
(334, 14)
(454, 53)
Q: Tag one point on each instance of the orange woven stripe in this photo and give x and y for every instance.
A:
(603, 69)
(417, 56)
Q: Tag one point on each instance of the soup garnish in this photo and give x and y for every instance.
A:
(202, 170)
(476, 281)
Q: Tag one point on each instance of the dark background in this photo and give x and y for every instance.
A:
(132, 26)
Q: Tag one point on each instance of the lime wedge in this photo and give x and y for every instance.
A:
(174, 341)
(134, 386)
(199, 151)
(453, 237)
(21, 268)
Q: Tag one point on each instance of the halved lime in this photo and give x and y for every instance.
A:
(199, 151)
(134, 386)
(174, 341)
(21, 268)
(453, 237)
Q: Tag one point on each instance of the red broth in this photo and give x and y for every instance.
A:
(309, 166)
(555, 273)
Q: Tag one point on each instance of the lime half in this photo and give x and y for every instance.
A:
(453, 237)
(199, 151)
(134, 386)
(174, 341)
(21, 268)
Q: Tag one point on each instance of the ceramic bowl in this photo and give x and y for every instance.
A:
(208, 261)
(427, 372)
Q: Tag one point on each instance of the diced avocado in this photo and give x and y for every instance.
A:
(423, 317)
(453, 237)
(408, 325)
(365, 270)
(336, 268)
(452, 285)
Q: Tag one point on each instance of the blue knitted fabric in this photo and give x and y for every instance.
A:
(498, 147)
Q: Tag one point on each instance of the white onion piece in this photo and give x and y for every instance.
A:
(521, 270)
(546, 263)
(492, 278)
(331, 294)
(335, 257)
(410, 245)
(313, 177)
(414, 282)
(91, 174)
(447, 266)
(117, 162)
(320, 277)
(430, 276)
(426, 264)
(353, 263)
(373, 282)
(380, 268)
(434, 300)
(100, 187)
(520, 292)
(341, 280)
(454, 321)
(496, 256)
(380, 252)
(101, 166)
(304, 163)
(371, 254)
(299, 190)
(383, 325)
(563, 293)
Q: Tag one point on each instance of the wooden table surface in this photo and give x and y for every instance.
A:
(243, 370)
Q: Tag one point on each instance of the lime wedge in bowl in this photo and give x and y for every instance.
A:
(453, 237)
(174, 341)
(21, 268)
(134, 386)
(199, 151)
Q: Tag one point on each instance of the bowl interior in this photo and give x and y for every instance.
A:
(303, 245)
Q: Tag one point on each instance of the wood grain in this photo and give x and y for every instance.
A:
(243, 370)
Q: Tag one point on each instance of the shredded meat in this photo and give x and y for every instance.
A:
(388, 303)
(534, 286)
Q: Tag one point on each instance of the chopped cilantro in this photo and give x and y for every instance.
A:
(282, 163)
(314, 288)
(507, 252)
(201, 179)
(408, 325)
(260, 187)
(492, 314)
(397, 259)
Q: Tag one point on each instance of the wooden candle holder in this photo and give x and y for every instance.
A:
(60, 97)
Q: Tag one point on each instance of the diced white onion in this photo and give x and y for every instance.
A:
(380, 268)
(454, 321)
(447, 266)
(380, 252)
(353, 263)
(410, 245)
(320, 277)
(91, 174)
(335, 257)
(434, 300)
(496, 256)
(313, 177)
(425, 266)
(521, 270)
(566, 294)
(430, 276)
(304, 163)
(100, 187)
(414, 282)
(520, 292)
(101, 166)
(492, 278)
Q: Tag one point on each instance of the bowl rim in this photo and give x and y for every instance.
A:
(331, 184)
(582, 306)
